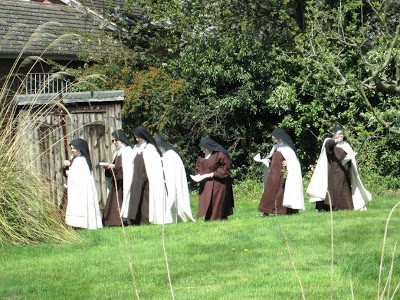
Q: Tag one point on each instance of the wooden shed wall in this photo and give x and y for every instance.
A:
(54, 129)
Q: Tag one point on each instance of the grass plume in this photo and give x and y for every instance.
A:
(28, 212)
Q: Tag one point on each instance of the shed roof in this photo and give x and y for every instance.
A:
(69, 98)
(40, 29)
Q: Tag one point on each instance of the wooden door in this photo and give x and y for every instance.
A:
(95, 133)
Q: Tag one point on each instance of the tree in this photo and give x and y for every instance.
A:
(350, 75)
(356, 46)
(245, 67)
(227, 58)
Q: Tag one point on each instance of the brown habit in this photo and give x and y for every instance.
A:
(138, 212)
(215, 194)
(111, 215)
(272, 197)
(339, 184)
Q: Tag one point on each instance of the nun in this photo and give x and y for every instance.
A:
(215, 193)
(336, 183)
(147, 201)
(119, 176)
(83, 205)
(283, 188)
(178, 199)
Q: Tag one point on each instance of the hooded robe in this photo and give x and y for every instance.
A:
(148, 185)
(119, 189)
(215, 194)
(283, 194)
(178, 197)
(319, 183)
(83, 205)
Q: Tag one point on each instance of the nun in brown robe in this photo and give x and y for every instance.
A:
(339, 183)
(111, 215)
(115, 172)
(336, 183)
(274, 189)
(215, 193)
(139, 203)
(147, 198)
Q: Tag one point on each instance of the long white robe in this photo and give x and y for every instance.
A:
(318, 185)
(178, 199)
(83, 204)
(158, 211)
(293, 196)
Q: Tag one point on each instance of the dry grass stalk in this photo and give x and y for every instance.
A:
(380, 295)
(294, 266)
(127, 244)
(28, 213)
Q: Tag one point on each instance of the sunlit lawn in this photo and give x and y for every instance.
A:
(246, 257)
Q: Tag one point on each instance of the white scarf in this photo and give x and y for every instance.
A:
(140, 147)
(120, 149)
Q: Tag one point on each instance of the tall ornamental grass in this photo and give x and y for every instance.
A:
(28, 214)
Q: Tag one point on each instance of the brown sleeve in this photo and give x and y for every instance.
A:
(223, 165)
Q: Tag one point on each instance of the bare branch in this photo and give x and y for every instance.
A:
(386, 87)
(389, 53)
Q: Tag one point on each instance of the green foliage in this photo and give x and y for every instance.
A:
(225, 66)
(152, 100)
(237, 69)
(349, 76)
(233, 78)
(161, 103)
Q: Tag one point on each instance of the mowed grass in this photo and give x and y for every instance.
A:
(245, 257)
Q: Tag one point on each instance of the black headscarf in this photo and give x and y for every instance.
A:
(82, 146)
(120, 135)
(143, 133)
(207, 142)
(335, 129)
(282, 134)
(164, 144)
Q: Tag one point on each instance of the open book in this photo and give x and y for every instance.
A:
(265, 161)
(199, 177)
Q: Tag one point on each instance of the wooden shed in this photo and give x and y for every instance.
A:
(92, 116)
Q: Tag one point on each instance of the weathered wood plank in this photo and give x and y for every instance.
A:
(94, 117)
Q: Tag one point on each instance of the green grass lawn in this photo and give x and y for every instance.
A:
(245, 257)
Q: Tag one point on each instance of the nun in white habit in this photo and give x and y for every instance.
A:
(178, 199)
(83, 205)
(147, 202)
